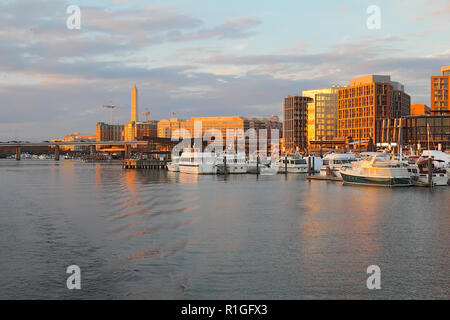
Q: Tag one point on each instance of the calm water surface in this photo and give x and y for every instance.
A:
(162, 235)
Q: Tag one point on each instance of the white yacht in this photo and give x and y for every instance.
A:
(292, 164)
(332, 163)
(197, 163)
(173, 165)
(376, 171)
(231, 163)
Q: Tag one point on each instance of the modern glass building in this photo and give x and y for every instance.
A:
(322, 114)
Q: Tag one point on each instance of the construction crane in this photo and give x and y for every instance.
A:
(111, 107)
(146, 114)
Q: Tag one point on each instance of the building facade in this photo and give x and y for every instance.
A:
(138, 130)
(167, 127)
(417, 132)
(420, 109)
(108, 132)
(322, 114)
(366, 100)
(440, 103)
(295, 117)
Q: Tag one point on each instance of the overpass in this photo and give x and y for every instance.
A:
(19, 144)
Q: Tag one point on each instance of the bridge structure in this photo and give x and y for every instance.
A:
(19, 145)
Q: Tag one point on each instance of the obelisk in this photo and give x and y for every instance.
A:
(134, 104)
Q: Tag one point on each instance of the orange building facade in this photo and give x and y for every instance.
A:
(440, 102)
(167, 127)
(420, 109)
(366, 100)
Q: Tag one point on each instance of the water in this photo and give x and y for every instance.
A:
(162, 235)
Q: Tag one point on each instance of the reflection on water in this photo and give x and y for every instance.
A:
(158, 234)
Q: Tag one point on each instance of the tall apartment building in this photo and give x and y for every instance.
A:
(366, 100)
(440, 102)
(295, 116)
(322, 114)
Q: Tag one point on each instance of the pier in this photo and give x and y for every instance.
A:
(324, 178)
(154, 164)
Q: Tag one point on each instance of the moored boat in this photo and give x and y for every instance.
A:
(197, 163)
(292, 164)
(231, 163)
(332, 163)
(378, 172)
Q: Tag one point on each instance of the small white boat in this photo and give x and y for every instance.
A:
(376, 171)
(231, 163)
(314, 162)
(292, 164)
(197, 163)
(440, 159)
(439, 174)
(254, 165)
(333, 162)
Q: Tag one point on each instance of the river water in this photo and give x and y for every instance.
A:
(162, 235)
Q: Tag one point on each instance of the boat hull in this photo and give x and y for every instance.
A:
(376, 181)
(232, 168)
(173, 167)
(197, 169)
(293, 169)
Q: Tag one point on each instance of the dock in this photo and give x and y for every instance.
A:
(323, 178)
(144, 164)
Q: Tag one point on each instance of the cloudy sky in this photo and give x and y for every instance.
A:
(201, 57)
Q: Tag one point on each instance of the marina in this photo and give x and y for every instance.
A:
(369, 168)
(155, 234)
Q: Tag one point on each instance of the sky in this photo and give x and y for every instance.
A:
(201, 57)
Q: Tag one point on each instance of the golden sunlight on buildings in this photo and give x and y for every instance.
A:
(322, 113)
(366, 100)
(420, 109)
(440, 101)
(167, 127)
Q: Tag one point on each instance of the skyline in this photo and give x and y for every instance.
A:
(201, 59)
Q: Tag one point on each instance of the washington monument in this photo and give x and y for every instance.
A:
(134, 104)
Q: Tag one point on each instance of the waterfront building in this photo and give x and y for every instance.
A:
(75, 137)
(367, 100)
(295, 137)
(420, 109)
(322, 114)
(440, 102)
(167, 127)
(109, 132)
(416, 131)
(138, 130)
